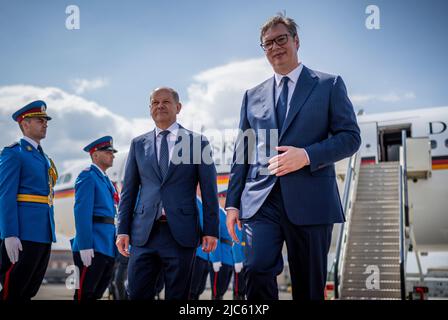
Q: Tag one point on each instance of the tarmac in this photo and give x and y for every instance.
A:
(51, 291)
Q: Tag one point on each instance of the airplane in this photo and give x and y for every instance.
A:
(381, 134)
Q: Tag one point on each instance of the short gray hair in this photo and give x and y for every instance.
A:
(171, 90)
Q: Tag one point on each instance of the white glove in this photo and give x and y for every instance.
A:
(238, 267)
(86, 257)
(217, 266)
(13, 245)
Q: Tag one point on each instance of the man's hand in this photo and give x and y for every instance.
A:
(123, 244)
(231, 220)
(209, 243)
(86, 257)
(13, 245)
(292, 159)
(216, 266)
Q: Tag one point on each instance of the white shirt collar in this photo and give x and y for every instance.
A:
(293, 75)
(104, 173)
(172, 129)
(31, 142)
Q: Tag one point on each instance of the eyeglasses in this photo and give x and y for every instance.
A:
(280, 41)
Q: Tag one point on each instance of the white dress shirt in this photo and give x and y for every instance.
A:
(104, 173)
(31, 142)
(171, 139)
(293, 78)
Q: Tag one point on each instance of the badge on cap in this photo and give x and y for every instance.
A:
(35, 109)
(101, 144)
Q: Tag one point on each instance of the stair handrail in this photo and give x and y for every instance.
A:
(351, 179)
(404, 213)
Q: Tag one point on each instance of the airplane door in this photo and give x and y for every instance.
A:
(369, 142)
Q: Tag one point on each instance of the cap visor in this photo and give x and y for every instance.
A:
(43, 117)
(108, 149)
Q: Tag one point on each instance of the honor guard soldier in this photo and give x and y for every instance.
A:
(27, 178)
(96, 198)
(239, 282)
(227, 260)
(202, 265)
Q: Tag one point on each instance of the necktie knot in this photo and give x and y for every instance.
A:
(164, 133)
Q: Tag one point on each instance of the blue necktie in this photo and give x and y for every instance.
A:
(39, 148)
(282, 104)
(164, 157)
(41, 151)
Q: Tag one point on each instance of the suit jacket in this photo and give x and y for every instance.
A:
(177, 191)
(321, 120)
(24, 170)
(94, 196)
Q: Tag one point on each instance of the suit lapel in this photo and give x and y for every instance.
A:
(303, 89)
(267, 96)
(151, 152)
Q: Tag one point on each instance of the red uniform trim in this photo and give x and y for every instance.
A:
(96, 147)
(83, 276)
(215, 283)
(7, 279)
(236, 283)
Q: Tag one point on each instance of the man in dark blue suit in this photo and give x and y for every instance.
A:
(294, 126)
(165, 166)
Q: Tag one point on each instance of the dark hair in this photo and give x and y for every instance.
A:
(21, 125)
(280, 18)
(171, 90)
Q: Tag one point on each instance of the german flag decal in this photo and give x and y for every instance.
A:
(66, 193)
(367, 160)
(222, 179)
(440, 163)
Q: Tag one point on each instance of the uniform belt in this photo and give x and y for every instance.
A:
(34, 198)
(226, 241)
(101, 219)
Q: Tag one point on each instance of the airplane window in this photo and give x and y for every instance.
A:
(433, 144)
(61, 179)
(446, 143)
(67, 177)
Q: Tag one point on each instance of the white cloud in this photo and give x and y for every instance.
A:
(76, 122)
(388, 98)
(82, 85)
(213, 102)
(214, 98)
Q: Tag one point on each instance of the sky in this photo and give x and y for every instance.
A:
(96, 80)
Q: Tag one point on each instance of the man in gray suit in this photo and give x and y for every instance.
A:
(162, 173)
